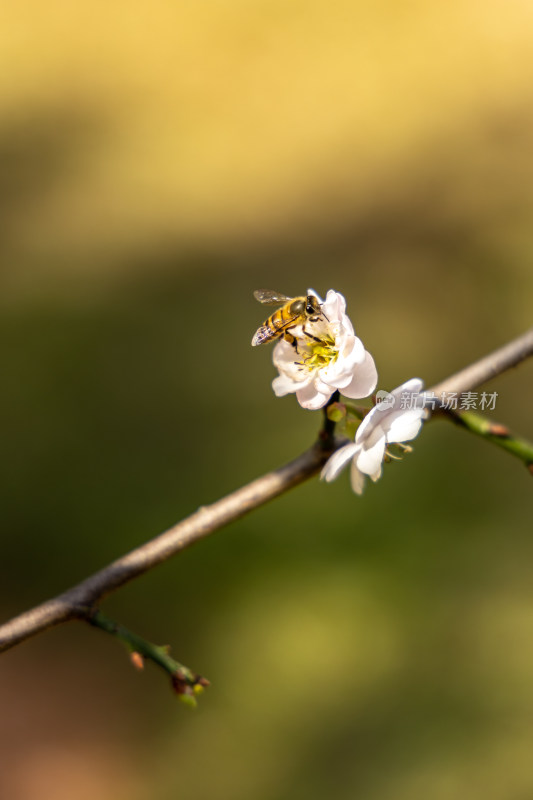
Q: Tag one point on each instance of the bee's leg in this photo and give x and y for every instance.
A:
(310, 335)
(291, 340)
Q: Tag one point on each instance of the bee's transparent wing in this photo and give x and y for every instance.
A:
(269, 297)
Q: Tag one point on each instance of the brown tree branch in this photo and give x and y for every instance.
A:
(79, 601)
(488, 367)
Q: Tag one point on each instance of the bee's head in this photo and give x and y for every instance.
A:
(312, 306)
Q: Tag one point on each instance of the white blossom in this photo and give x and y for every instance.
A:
(398, 419)
(314, 370)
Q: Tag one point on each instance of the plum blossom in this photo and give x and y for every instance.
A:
(397, 419)
(334, 359)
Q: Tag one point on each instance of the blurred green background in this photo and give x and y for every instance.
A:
(158, 162)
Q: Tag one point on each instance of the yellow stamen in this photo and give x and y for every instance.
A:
(321, 354)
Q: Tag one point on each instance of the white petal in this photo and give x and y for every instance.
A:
(351, 355)
(320, 386)
(413, 385)
(364, 381)
(405, 426)
(338, 461)
(373, 435)
(334, 306)
(369, 424)
(351, 349)
(283, 355)
(283, 385)
(337, 380)
(357, 478)
(377, 475)
(288, 363)
(309, 397)
(369, 460)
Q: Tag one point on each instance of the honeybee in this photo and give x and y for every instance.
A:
(295, 311)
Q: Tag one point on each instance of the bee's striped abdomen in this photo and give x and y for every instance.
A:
(278, 321)
(281, 321)
(261, 336)
(272, 327)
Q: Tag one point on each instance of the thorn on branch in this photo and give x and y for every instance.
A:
(497, 429)
(137, 660)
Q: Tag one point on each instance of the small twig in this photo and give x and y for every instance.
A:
(495, 433)
(185, 683)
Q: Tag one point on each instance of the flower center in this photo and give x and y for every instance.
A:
(320, 354)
